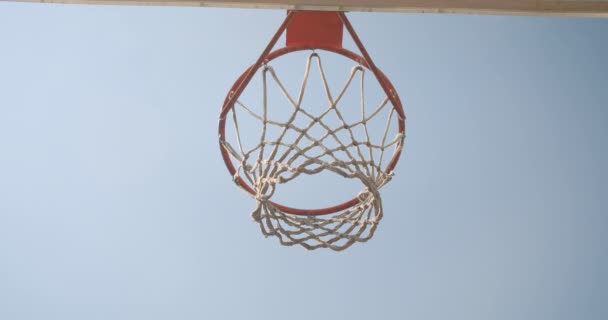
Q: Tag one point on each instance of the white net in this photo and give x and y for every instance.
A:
(287, 149)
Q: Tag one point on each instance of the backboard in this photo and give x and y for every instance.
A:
(575, 8)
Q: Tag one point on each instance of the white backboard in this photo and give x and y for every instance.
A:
(576, 8)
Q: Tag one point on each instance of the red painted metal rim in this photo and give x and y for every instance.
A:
(386, 85)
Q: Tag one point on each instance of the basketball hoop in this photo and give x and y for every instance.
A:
(273, 161)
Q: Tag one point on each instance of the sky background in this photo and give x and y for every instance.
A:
(115, 203)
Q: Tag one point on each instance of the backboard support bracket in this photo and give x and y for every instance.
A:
(314, 28)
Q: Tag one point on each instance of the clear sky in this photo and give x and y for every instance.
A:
(115, 204)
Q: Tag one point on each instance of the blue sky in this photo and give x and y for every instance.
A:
(115, 204)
